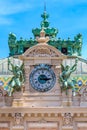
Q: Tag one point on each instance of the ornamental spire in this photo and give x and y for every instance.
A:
(44, 6)
(45, 16)
(51, 32)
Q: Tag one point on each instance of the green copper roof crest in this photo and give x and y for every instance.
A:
(67, 47)
(51, 32)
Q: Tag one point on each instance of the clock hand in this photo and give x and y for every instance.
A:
(45, 79)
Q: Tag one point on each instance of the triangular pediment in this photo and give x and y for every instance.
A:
(43, 50)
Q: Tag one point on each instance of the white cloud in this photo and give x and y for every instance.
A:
(11, 7)
(8, 7)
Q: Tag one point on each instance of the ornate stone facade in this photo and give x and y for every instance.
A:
(30, 109)
(50, 110)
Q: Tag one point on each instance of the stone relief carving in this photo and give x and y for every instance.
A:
(67, 119)
(42, 52)
(18, 119)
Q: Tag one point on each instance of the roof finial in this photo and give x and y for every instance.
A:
(42, 38)
(44, 6)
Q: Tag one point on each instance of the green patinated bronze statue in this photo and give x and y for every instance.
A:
(65, 80)
(18, 76)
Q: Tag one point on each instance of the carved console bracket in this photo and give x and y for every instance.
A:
(18, 119)
(67, 119)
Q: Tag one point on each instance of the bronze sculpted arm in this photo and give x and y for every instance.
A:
(73, 68)
(12, 66)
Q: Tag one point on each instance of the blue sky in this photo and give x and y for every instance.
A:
(20, 16)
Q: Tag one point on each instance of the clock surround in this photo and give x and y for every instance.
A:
(42, 78)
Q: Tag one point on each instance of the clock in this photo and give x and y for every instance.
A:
(42, 78)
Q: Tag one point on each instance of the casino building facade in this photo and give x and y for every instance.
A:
(40, 105)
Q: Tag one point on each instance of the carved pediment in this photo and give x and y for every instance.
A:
(43, 50)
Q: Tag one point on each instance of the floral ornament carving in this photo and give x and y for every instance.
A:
(67, 119)
(18, 119)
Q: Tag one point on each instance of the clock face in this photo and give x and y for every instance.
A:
(42, 78)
